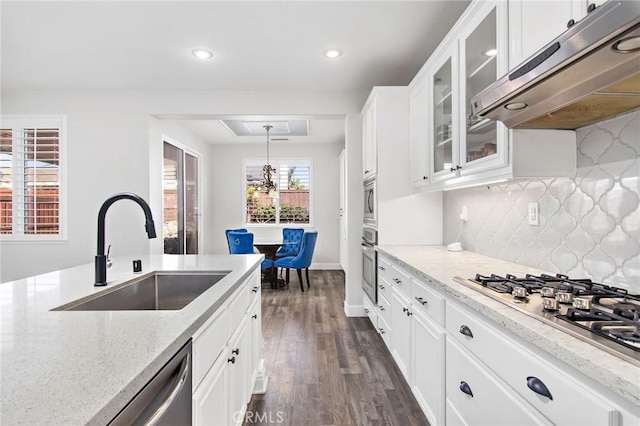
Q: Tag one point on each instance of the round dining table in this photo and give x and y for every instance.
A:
(269, 249)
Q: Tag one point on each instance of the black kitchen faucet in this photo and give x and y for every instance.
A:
(101, 258)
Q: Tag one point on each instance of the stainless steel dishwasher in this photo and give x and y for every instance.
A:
(166, 399)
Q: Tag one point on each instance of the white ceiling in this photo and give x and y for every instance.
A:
(258, 45)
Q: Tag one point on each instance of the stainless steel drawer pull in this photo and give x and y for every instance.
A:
(421, 300)
(538, 387)
(464, 387)
(466, 331)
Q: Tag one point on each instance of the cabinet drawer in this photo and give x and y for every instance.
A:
(239, 303)
(523, 371)
(384, 268)
(385, 331)
(371, 312)
(253, 288)
(384, 309)
(208, 342)
(428, 301)
(488, 401)
(401, 280)
(384, 287)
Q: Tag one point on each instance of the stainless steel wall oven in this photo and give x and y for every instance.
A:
(370, 263)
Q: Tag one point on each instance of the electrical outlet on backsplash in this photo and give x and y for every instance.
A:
(589, 225)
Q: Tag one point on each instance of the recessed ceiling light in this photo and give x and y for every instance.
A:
(202, 53)
(516, 106)
(333, 53)
(490, 52)
(627, 45)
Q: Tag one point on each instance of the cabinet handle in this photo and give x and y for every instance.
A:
(458, 167)
(367, 171)
(382, 268)
(255, 289)
(381, 287)
(591, 7)
(409, 313)
(571, 23)
(464, 387)
(452, 169)
(538, 387)
(254, 316)
(366, 310)
(232, 360)
(236, 351)
(381, 307)
(381, 330)
(466, 331)
(397, 281)
(405, 309)
(421, 300)
(424, 178)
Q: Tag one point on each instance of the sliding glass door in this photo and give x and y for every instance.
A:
(181, 217)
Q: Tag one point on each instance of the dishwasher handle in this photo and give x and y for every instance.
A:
(173, 394)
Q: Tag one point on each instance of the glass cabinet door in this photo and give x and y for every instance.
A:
(479, 68)
(444, 154)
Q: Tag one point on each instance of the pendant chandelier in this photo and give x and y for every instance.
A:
(267, 183)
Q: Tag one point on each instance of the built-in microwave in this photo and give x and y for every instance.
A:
(370, 203)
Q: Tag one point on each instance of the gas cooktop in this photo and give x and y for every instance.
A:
(605, 316)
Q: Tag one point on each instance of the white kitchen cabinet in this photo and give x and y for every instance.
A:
(419, 133)
(533, 24)
(211, 398)
(480, 398)
(401, 320)
(228, 364)
(464, 150)
(427, 361)
(239, 375)
(369, 140)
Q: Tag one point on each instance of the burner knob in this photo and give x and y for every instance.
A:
(549, 304)
(548, 292)
(582, 303)
(564, 297)
(519, 292)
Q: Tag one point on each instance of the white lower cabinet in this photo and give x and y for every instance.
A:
(227, 359)
(401, 320)
(211, 398)
(427, 366)
(464, 369)
(479, 398)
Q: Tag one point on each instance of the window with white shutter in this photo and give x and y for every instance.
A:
(290, 204)
(31, 178)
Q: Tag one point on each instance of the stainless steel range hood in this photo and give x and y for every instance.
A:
(589, 73)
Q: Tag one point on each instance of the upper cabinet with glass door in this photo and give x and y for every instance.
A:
(444, 134)
(483, 53)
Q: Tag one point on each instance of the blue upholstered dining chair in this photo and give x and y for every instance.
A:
(302, 260)
(291, 239)
(226, 233)
(242, 243)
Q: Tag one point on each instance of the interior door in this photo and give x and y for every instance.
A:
(181, 200)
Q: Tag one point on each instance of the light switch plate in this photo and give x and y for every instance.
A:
(534, 214)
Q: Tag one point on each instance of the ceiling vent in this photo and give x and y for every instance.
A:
(256, 127)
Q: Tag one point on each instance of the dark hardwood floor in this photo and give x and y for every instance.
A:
(325, 368)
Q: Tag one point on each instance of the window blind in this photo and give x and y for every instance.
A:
(30, 180)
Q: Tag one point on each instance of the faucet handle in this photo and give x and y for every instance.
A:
(109, 262)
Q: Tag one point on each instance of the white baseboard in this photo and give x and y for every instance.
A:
(354, 310)
(326, 266)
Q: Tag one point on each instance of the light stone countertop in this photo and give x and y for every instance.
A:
(436, 266)
(73, 368)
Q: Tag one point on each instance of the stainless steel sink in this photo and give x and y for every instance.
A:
(160, 291)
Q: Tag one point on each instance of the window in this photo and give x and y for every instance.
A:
(30, 178)
(290, 204)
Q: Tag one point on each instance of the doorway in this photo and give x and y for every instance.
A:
(181, 199)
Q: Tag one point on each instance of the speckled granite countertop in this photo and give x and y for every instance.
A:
(66, 367)
(437, 267)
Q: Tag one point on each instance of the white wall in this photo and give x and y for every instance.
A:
(228, 186)
(109, 151)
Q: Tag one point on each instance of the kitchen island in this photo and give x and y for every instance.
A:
(83, 367)
(514, 341)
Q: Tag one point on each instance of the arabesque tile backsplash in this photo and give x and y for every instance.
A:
(589, 224)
